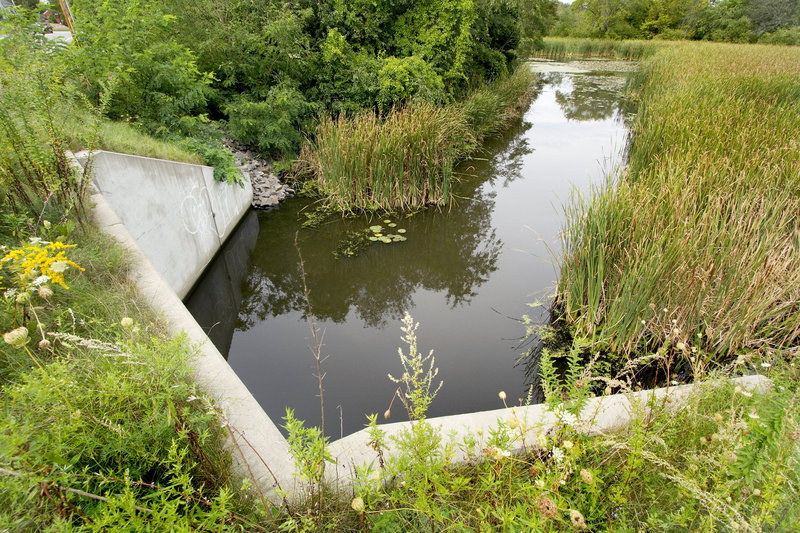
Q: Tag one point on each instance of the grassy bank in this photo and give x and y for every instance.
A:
(695, 248)
(405, 160)
(570, 47)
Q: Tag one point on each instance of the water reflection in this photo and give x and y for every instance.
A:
(460, 273)
(452, 252)
(589, 96)
(216, 301)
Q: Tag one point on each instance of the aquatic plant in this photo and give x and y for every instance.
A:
(572, 47)
(405, 160)
(695, 246)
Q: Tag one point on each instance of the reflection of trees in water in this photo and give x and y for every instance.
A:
(502, 156)
(593, 97)
(452, 252)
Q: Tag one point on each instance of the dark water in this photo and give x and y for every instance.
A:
(465, 273)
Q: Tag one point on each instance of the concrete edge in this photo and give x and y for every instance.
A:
(606, 414)
(259, 451)
(155, 158)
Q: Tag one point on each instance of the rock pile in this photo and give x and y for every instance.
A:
(268, 191)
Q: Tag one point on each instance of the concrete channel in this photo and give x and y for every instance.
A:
(172, 218)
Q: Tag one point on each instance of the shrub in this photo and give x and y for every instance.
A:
(36, 176)
(273, 123)
(403, 79)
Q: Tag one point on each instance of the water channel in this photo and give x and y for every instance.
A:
(466, 273)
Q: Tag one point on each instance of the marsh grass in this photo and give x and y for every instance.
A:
(569, 47)
(405, 160)
(698, 241)
(402, 162)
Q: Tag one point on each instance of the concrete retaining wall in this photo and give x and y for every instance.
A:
(177, 213)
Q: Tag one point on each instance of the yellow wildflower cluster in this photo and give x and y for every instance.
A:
(30, 263)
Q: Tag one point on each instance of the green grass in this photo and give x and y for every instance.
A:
(698, 241)
(82, 131)
(405, 160)
(571, 47)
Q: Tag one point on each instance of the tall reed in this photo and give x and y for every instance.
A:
(571, 47)
(698, 244)
(405, 160)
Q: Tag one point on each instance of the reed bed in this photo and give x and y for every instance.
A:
(570, 47)
(697, 244)
(405, 160)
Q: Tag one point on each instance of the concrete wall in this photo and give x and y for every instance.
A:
(177, 213)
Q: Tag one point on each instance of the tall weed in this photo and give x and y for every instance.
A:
(696, 245)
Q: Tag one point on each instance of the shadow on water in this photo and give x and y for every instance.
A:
(461, 272)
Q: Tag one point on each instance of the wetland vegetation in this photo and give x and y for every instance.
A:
(102, 428)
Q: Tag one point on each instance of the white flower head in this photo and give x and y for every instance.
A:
(357, 504)
(558, 454)
(59, 266)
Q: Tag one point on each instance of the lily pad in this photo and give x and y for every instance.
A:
(373, 238)
(379, 234)
(399, 238)
(387, 221)
(392, 224)
(401, 230)
(376, 229)
(385, 239)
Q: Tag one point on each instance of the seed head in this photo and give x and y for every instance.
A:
(387, 414)
(546, 507)
(45, 292)
(586, 476)
(17, 337)
(577, 519)
(502, 395)
(44, 344)
(126, 322)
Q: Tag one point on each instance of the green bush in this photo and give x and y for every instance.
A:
(401, 80)
(786, 36)
(126, 50)
(36, 178)
(272, 124)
